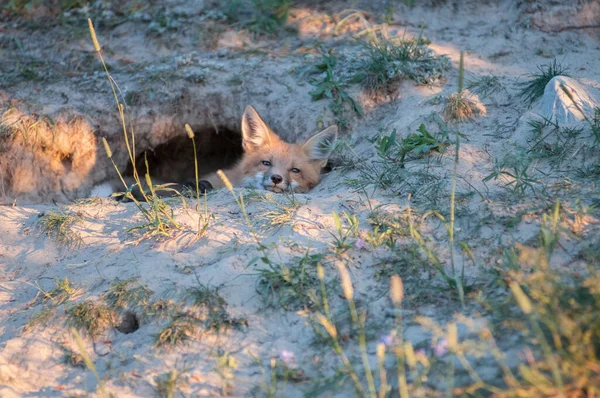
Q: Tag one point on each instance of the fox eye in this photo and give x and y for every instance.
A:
(295, 170)
(266, 163)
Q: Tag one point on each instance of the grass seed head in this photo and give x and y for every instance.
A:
(397, 289)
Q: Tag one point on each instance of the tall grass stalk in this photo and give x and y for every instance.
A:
(359, 323)
(459, 282)
(114, 87)
(383, 387)
(397, 295)
(201, 229)
(240, 202)
(337, 348)
(157, 209)
(88, 362)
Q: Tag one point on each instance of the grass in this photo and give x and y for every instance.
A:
(225, 367)
(388, 60)
(382, 62)
(41, 318)
(462, 106)
(207, 313)
(343, 233)
(330, 85)
(277, 210)
(58, 225)
(386, 170)
(92, 317)
(552, 142)
(484, 86)
(534, 88)
(290, 286)
(518, 175)
(89, 363)
(259, 17)
(64, 291)
(268, 16)
(167, 384)
(128, 294)
(158, 214)
(180, 329)
(213, 308)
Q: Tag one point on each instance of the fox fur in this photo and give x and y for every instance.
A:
(267, 162)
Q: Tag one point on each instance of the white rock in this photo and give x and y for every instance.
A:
(557, 106)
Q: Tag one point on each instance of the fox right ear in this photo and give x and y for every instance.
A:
(255, 132)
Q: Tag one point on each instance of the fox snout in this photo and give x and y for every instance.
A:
(276, 179)
(276, 183)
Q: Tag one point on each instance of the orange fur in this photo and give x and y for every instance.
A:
(272, 164)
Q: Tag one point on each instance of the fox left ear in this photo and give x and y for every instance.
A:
(320, 145)
(255, 132)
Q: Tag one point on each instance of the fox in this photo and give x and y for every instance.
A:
(270, 163)
(267, 163)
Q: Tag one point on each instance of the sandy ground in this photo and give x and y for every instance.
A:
(496, 40)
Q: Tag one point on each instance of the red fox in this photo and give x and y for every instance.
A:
(271, 163)
(268, 162)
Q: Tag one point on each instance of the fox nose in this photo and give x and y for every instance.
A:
(276, 178)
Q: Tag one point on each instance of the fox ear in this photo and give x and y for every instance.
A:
(255, 132)
(320, 145)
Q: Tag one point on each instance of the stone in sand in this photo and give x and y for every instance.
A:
(563, 108)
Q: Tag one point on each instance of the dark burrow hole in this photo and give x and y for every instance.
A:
(129, 323)
(173, 161)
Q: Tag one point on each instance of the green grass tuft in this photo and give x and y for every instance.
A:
(90, 316)
(534, 88)
(59, 226)
(390, 59)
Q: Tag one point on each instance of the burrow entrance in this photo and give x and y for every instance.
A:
(173, 160)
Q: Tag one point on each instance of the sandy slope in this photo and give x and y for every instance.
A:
(496, 43)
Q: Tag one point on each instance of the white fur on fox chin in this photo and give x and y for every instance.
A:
(255, 182)
(103, 190)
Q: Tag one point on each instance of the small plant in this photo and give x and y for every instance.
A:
(268, 16)
(342, 234)
(331, 86)
(422, 142)
(90, 316)
(391, 59)
(213, 308)
(225, 366)
(485, 85)
(278, 210)
(64, 291)
(463, 105)
(41, 318)
(358, 322)
(59, 226)
(519, 176)
(534, 88)
(387, 169)
(557, 144)
(178, 331)
(128, 293)
(290, 286)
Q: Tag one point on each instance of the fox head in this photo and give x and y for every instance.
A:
(272, 164)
